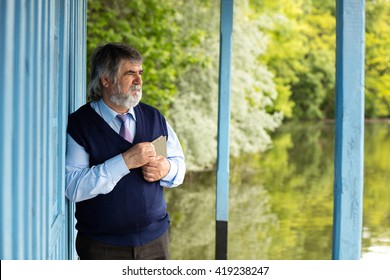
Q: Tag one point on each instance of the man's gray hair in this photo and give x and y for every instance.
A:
(106, 60)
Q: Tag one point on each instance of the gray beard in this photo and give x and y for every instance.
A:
(127, 100)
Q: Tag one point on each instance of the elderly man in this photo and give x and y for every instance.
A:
(112, 170)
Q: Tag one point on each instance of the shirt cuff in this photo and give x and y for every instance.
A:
(167, 181)
(117, 167)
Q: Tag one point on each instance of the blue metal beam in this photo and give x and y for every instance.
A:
(222, 195)
(349, 142)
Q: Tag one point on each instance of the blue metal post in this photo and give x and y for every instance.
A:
(222, 197)
(349, 142)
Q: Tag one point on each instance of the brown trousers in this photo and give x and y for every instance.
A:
(89, 249)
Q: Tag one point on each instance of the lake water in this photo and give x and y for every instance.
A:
(281, 201)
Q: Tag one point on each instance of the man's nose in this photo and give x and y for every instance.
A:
(137, 79)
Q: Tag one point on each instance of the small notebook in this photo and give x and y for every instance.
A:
(160, 145)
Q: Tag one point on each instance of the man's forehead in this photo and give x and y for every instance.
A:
(126, 63)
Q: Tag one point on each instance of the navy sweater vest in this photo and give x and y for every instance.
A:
(134, 212)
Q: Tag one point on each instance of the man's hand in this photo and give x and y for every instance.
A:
(156, 169)
(139, 155)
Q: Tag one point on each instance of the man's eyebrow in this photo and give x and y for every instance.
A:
(133, 72)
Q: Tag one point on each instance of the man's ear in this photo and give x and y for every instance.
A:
(105, 81)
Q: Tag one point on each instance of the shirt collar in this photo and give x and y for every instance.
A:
(108, 114)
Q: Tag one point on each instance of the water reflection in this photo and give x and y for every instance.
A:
(281, 201)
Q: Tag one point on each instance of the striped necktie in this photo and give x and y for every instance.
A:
(124, 132)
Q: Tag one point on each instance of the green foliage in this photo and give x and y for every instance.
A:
(377, 82)
(151, 27)
(195, 108)
(301, 54)
(283, 64)
(252, 88)
(181, 49)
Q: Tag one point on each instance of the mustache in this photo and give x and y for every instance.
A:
(135, 87)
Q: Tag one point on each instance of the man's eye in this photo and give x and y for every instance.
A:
(132, 73)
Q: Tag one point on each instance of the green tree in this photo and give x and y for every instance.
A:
(377, 94)
(152, 27)
(300, 54)
(252, 90)
(283, 64)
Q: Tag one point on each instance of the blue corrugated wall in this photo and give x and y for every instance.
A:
(42, 79)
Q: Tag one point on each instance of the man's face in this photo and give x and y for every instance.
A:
(126, 91)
